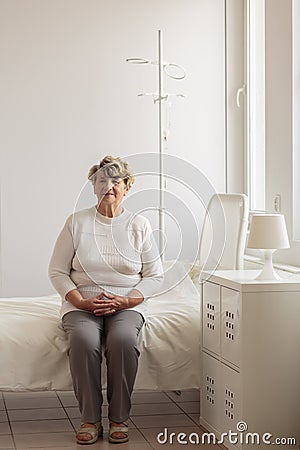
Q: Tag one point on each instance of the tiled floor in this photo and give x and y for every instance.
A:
(47, 420)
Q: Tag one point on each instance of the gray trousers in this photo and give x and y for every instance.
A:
(85, 337)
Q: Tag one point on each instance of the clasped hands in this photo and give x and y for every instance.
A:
(105, 304)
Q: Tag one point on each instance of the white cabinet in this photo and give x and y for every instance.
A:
(251, 359)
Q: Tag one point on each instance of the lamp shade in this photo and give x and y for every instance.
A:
(268, 231)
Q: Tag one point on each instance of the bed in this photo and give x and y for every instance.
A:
(33, 344)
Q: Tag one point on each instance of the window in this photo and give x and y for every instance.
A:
(256, 104)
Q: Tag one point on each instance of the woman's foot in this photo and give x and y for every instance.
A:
(88, 433)
(118, 432)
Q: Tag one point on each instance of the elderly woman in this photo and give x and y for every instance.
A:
(105, 266)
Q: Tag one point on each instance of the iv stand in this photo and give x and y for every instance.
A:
(159, 99)
(161, 219)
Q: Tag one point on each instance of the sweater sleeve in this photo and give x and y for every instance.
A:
(61, 261)
(152, 270)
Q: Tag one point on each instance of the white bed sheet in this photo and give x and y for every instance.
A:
(33, 346)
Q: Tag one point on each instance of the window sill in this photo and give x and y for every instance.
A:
(253, 261)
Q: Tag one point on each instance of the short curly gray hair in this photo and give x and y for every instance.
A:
(111, 166)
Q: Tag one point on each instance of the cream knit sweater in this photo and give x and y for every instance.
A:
(95, 253)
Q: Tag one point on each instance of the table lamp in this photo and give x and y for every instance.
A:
(268, 233)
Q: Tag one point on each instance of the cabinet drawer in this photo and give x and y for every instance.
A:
(230, 325)
(230, 412)
(211, 317)
(211, 391)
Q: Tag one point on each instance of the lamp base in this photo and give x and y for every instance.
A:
(268, 273)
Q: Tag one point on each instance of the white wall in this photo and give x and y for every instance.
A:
(68, 98)
(296, 119)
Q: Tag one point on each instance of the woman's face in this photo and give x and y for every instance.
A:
(110, 190)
